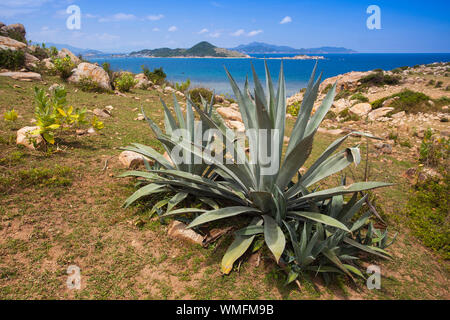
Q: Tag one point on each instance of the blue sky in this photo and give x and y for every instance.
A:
(122, 26)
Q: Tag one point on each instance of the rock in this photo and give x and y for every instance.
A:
(22, 76)
(169, 90)
(16, 28)
(399, 115)
(348, 81)
(234, 106)
(179, 93)
(383, 147)
(380, 112)
(8, 43)
(109, 108)
(219, 99)
(431, 103)
(236, 125)
(142, 81)
(48, 63)
(65, 52)
(361, 109)
(178, 230)
(229, 113)
(340, 105)
(166, 156)
(131, 160)
(30, 60)
(96, 73)
(102, 113)
(389, 101)
(140, 117)
(91, 131)
(25, 138)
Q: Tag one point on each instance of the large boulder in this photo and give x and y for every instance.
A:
(361, 109)
(30, 61)
(340, 105)
(8, 43)
(65, 52)
(142, 81)
(92, 71)
(132, 160)
(348, 81)
(48, 63)
(26, 137)
(23, 76)
(16, 30)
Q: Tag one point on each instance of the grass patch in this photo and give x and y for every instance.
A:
(359, 97)
(408, 101)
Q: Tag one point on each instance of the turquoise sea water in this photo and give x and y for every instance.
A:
(210, 72)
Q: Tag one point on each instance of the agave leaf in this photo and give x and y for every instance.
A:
(141, 174)
(274, 237)
(333, 258)
(221, 214)
(322, 111)
(292, 276)
(210, 202)
(293, 162)
(355, 187)
(365, 248)
(144, 191)
(318, 217)
(183, 211)
(361, 221)
(178, 112)
(237, 249)
(354, 270)
(150, 153)
(353, 210)
(280, 120)
(176, 199)
(250, 230)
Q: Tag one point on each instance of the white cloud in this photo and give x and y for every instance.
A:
(203, 31)
(238, 33)
(155, 29)
(285, 20)
(254, 33)
(11, 8)
(173, 29)
(215, 35)
(118, 17)
(155, 17)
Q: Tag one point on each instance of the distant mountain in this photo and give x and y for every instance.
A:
(74, 50)
(261, 48)
(202, 49)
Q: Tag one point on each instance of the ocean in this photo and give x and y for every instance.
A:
(210, 73)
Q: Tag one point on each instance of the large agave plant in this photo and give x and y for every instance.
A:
(308, 230)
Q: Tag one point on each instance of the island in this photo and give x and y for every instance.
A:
(201, 50)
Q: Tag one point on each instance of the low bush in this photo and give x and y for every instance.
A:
(157, 76)
(182, 87)
(64, 67)
(125, 82)
(427, 210)
(408, 101)
(86, 84)
(359, 97)
(197, 92)
(346, 115)
(10, 116)
(434, 151)
(12, 59)
(112, 75)
(294, 108)
(379, 79)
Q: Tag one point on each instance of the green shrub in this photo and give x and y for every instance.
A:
(294, 108)
(125, 82)
(195, 94)
(86, 84)
(182, 87)
(379, 79)
(12, 59)
(359, 97)
(343, 94)
(408, 101)
(64, 67)
(41, 52)
(439, 84)
(327, 88)
(112, 75)
(157, 76)
(346, 115)
(427, 210)
(13, 34)
(433, 151)
(10, 116)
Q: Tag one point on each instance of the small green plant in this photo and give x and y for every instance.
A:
(125, 82)
(182, 87)
(11, 115)
(97, 124)
(343, 94)
(378, 79)
(64, 67)
(433, 151)
(408, 101)
(346, 115)
(327, 88)
(112, 75)
(157, 76)
(427, 210)
(86, 84)
(294, 108)
(12, 59)
(359, 97)
(197, 94)
(439, 84)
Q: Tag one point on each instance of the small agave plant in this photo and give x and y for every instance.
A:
(305, 229)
